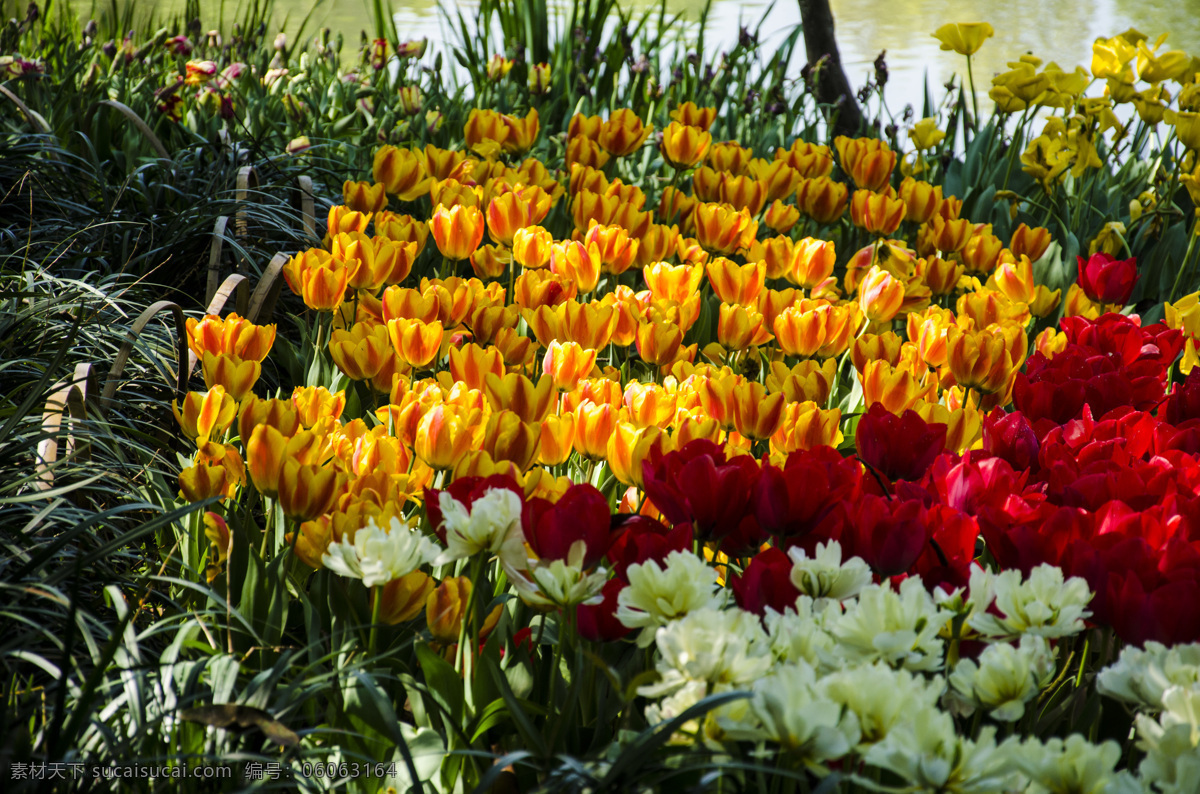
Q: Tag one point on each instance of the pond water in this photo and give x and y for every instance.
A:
(1054, 30)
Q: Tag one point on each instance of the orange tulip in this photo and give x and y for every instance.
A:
(950, 235)
(450, 193)
(490, 261)
(979, 360)
(457, 231)
(672, 282)
(409, 304)
(658, 343)
(721, 229)
(364, 197)
(233, 334)
(324, 286)
(656, 243)
(756, 414)
(729, 156)
(733, 283)
(777, 177)
(927, 330)
(236, 376)
(416, 343)
(716, 398)
(684, 146)
(361, 352)
(781, 217)
(811, 160)
(506, 437)
(897, 388)
(265, 456)
(941, 275)
(801, 331)
(623, 133)
(444, 436)
(880, 295)
(306, 491)
(811, 262)
(531, 247)
(315, 403)
(674, 205)
(688, 113)
(511, 211)
(517, 393)
(648, 404)
(982, 252)
(629, 446)
(594, 425)
(556, 439)
(522, 132)
(446, 607)
(402, 229)
(809, 380)
(920, 198)
(483, 126)
(403, 599)
(618, 251)
(822, 199)
(739, 328)
(202, 481)
(471, 364)
(868, 161)
(878, 213)
(280, 414)
(806, 426)
(577, 261)
(402, 172)
(567, 363)
(1030, 242)
(535, 288)
(586, 152)
(203, 414)
(742, 193)
(342, 219)
(873, 347)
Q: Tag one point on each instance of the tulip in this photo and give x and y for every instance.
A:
(872, 347)
(979, 360)
(446, 607)
(402, 229)
(515, 392)
(578, 262)
(1030, 242)
(950, 235)
(1187, 127)
(233, 335)
(506, 437)
(618, 251)
(925, 134)
(734, 283)
(457, 231)
(739, 328)
(490, 261)
(235, 376)
(809, 380)
(766, 582)
(205, 480)
(556, 439)
(539, 79)
(408, 304)
(756, 415)
(364, 197)
(805, 426)
(511, 211)
(531, 247)
(920, 198)
(691, 115)
(672, 282)
(584, 151)
(742, 193)
(684, 146)
(721, 229)
(822, 199)
(965, 38)
(658, 343)
(361, 352)
(868, 161)
(781, 217)
(729, 156)
(567, 363)
(811, 263)
(265, 456)
(898, 447)
(777, 177)
(623, 133)
(594, 425)
(981, 253)
(888, 535)
(416, 343)
(880, 295)
(1105, 279)
(471, 364)
(402, 172)
(323, 286)
(204, 414)
(522, 132)
(878, 213)
(897, 388)
(306, 491)
(444, 436)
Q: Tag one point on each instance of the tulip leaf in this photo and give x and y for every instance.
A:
(443, 683)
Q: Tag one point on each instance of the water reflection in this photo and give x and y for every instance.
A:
(1058, 30)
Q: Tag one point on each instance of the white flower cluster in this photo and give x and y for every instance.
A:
(1164, 685)
(865, 670)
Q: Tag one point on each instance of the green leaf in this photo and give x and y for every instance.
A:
(443, 683)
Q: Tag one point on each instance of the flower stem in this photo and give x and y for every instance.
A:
(377, 599)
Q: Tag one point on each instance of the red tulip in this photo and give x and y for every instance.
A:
(888, 534)
(1105, 279)
(599, 623)
(581, 514)
(899, 447)
(695, 484)
(766, 582)
(639, 539)
(1010, 437)
(803, 500)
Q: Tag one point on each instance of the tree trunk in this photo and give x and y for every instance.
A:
(830, 86)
